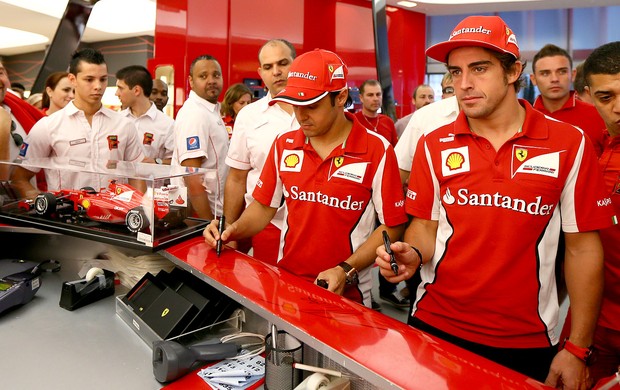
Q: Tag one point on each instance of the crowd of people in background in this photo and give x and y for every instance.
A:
(496, 208)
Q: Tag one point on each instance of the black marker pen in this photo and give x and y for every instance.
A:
(387, 243)
(220, 228)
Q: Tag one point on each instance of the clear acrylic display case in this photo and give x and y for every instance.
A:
(137, 205)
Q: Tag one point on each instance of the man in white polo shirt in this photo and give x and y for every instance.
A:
(256, 127)
(155, 129)
(201, 139)
(83, 129)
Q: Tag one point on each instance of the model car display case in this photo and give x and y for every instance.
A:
(138, 205)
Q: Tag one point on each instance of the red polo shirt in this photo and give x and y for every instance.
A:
(610, 237)
(492, 277)
(580, 114)
(381, 124)
(331, 204)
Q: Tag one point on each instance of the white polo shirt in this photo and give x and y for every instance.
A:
(256, 127)
(155, 132)
(67, 133)
(423, 121)
(199, 132)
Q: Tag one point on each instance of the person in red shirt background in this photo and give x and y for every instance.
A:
(602, 72)
(371, 96)
(552, 74)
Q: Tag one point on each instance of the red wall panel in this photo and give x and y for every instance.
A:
(234, 30)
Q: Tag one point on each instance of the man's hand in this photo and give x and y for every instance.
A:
(407, 259)
(568, 372)
(212, 234)
(336, 279)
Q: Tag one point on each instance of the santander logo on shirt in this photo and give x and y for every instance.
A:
(318, 197)
(465, 198)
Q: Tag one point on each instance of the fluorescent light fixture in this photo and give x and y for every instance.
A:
(408, 4)
(10, 37)
(123, 16)
(55, 8)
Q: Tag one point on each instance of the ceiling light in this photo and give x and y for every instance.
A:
(10, 37)
(408, 4)
(55, 8)
(121, 16)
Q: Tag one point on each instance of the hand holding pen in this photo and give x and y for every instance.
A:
(387, 244)
(221, 226)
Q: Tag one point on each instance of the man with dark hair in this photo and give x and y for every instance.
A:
(505, 180)
(83, 128)
(602, 73)
(19, 89)
(256, 127)
(155, 129)
(371, 96)
(335, 176)
(201, 139)
(552, 73)
(159, 94)
(580, 85)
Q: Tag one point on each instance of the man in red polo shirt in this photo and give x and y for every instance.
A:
(553, 73)
(371, 96)
(336, 178)
(489, 196)
(602, 72)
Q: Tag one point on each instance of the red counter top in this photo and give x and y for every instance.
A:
(377, 347)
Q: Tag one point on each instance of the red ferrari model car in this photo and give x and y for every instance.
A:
(117, 204)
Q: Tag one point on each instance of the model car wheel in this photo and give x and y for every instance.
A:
(45, 204)
(136, 220)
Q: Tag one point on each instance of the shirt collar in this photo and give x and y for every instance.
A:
(203, 102)
(71, 109)
(535, 126)
(356, 142)
(570, 103)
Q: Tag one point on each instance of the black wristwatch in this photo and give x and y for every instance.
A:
(350, 272)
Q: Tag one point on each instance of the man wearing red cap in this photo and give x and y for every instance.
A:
(489, 196)
(336, 177)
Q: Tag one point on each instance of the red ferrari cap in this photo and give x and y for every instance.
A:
(490, 32)
(312, 76)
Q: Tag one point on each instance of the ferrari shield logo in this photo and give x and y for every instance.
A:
(521, 154)
(338, 161)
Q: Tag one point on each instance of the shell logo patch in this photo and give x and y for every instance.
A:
(292, 160)
(454, 161)
(521, 154)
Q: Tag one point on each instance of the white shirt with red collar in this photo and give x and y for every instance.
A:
(500, 215)
(331, 204)
(155, 131)
(67, 133)
(200, 133)
(256, 127)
